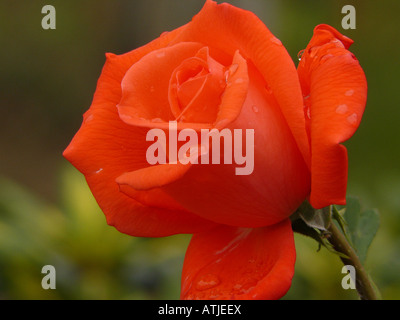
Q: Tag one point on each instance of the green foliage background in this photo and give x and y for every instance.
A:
(47, 213)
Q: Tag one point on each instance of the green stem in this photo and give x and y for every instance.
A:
(364, 284)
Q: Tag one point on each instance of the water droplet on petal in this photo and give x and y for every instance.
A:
(239, 80)
(313, 52)
(342, 109)
(352, 119)
(326, 57)
(349, 93)
(255, 109)
(268, 88)
(160, 54)
(233, 68)
(207, 281)
(88, 118)
(157, 120)
(276, 41)
(307, 112)
(226, 76)
(300, 54)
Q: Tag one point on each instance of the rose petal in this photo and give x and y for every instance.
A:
(235, 93)
(225, 28)
(145, 85)
(335, 85)
(238, 263)
(105, 148)
(153, 176)
(196, 87)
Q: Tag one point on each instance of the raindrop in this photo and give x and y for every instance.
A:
(239, 80)
(276, 41)
(207, 281)
(313, 51)
(268, 88)
(342, 109)
(307, 111)
(349, 93)
(160, 54)
(299, 55)
(255, 109)
(158, 120)
(233, 68)
(88, 118)
(352, 119)
(326, 57)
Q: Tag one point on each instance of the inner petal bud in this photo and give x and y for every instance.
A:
(195, 89)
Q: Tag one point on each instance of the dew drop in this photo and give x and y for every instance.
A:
(349, 93)
(342, 109)
(233, 68)
(299, 55)
(326, 57)
(207, 281)
(313, 52)
(255, 109)
(276, 41)
(352, 119)
(157, 120)
(160, 54)
(306, 110)
(89, 118)
(239, 80)
(268, 88)
(226, 76)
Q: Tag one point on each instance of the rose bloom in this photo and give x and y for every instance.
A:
(223, 70)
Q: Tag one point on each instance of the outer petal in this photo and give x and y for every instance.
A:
(105, 147)
(225, 28)
(335, 88)
(239, 263)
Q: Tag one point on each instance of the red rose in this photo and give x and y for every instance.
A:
(223, 70)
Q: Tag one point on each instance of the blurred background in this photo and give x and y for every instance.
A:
(49, 217)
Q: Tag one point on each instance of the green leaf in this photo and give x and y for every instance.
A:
(318, 219)
(301, 227)
(361, 226)
(337, 215)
